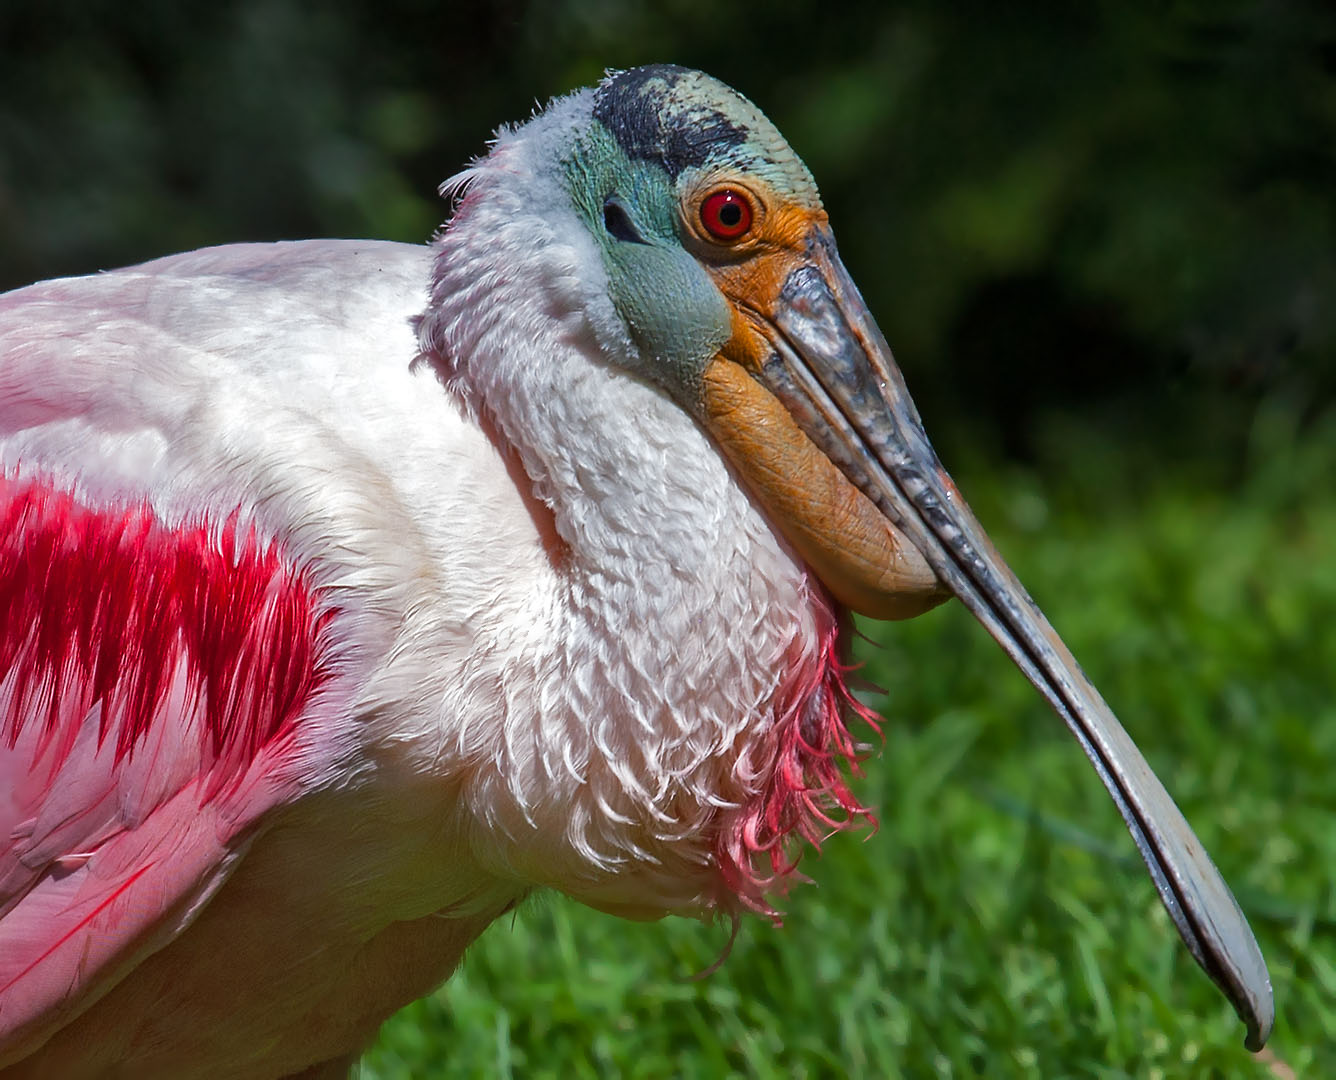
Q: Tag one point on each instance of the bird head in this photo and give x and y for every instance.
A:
(719, 283)
(721, 263)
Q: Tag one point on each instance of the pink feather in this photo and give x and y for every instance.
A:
(151, 680)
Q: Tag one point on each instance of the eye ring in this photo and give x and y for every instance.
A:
(726, 215)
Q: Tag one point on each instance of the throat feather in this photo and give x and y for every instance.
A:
(799, 769)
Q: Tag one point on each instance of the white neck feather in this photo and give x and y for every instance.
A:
(677, 609)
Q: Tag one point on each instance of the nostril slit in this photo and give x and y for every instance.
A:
(618, 222)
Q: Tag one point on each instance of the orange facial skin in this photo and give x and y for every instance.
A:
(860, 556)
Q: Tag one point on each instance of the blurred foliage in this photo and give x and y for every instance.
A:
(1121, 209)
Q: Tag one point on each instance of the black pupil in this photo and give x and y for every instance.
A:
(730, 215)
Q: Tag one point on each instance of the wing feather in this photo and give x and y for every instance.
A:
(151, 683)
(202, 557)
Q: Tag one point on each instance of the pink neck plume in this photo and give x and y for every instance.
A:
(800, 768)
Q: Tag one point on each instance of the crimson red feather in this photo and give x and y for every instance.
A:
(152, 679)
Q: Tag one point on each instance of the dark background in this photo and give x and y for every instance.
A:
(1122, 215)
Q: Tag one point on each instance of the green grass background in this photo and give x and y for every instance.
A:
(999, 922)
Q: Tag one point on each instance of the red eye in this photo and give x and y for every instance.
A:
(726, 214)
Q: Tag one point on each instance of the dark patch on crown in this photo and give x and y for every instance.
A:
(639, 109)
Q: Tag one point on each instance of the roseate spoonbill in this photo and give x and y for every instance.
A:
(350, 591)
